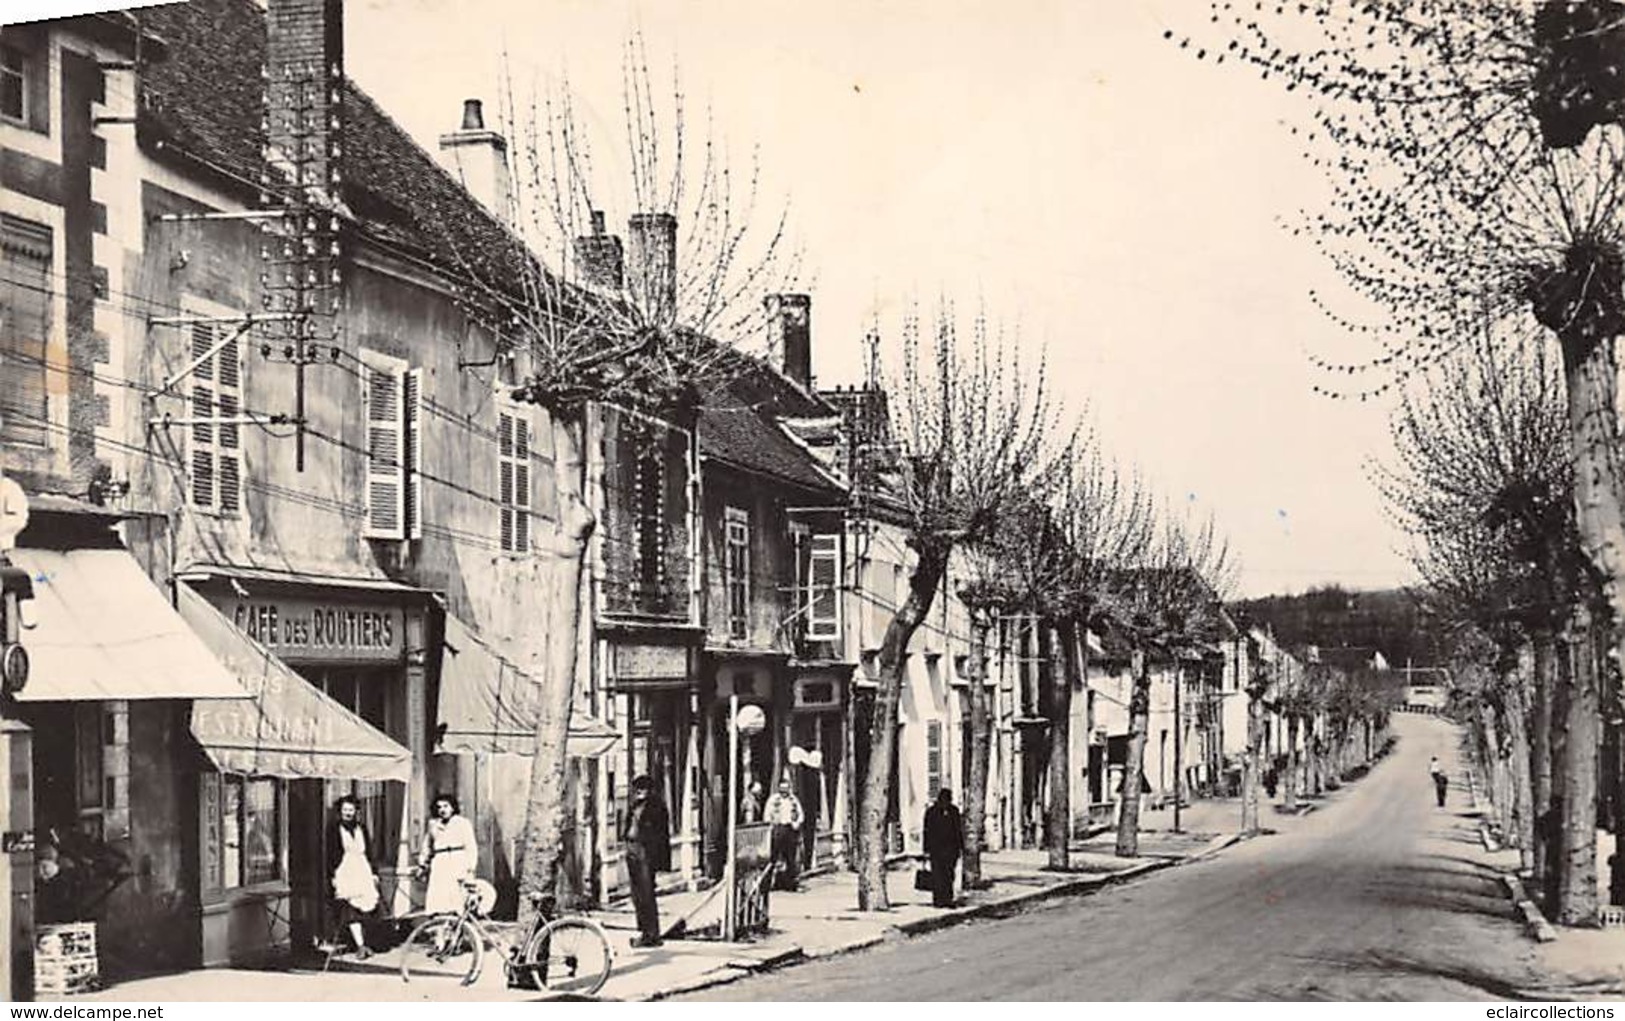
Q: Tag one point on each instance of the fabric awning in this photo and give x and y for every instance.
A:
(105, 632)
(290, 728)
(489, 706)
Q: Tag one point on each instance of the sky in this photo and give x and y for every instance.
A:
(1092, 183)
(1118, 201)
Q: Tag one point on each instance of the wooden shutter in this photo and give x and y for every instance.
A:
(412, 425)
(521, 484)
(25, 317)
(203, 407)
(505, 480)
(933, 758)
(228, 439)
(386, 492)
(823, 588)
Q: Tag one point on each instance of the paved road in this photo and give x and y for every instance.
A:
(1375, 896)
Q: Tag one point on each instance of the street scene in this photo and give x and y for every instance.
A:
(445, 559)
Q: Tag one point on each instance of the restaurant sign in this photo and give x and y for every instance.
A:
(333, 632)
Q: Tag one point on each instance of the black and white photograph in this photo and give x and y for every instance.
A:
(542, 501)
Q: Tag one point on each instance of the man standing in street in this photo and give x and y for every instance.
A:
(1441, 779)
(944, 840)
(784, 812)
(647, 839)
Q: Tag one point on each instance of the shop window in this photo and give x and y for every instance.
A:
(242, 830)
(736, 571)
(515, 437)
(217, 405)
(25, 309)
(392, 395)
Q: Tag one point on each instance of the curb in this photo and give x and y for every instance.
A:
(1535, 925)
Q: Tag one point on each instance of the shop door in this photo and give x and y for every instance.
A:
(307, 864)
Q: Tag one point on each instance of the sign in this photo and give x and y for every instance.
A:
(334, 632)
(752, 879)
(633, 664)
(17, 842)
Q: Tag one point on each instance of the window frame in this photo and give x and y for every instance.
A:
(21, 241)
(22, 71)
(214, 399)
(736, 571)
(212, 817)
(823, 547)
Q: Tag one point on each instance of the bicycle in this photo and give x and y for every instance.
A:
(570, 954)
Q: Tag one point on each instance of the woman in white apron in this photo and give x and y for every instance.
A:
(355, 887)
(448, 855)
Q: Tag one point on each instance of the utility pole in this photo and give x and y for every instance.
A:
(1179, 742)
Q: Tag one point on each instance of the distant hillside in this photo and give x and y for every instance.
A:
(1385, 619)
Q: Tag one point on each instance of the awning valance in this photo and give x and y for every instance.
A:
(290, 728)
(489, 706)
(105, 632)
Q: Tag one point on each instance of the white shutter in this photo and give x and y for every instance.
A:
(823, 588)
(521, 485)
(228, 441)
(505, 480)
(386, 495)
(412, 419)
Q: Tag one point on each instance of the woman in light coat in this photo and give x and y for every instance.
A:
(448, 855)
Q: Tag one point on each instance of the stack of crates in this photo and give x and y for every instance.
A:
(65, 960)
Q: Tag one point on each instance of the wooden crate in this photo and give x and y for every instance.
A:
(65, 961)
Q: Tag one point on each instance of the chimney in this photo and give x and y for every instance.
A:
(789, 332)
(478, 157)
(599, 259)
(304, 67)
(653, 265)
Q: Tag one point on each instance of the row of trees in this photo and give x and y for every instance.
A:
(1477, 160)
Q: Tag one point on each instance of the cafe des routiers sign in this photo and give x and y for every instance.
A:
(329, 631)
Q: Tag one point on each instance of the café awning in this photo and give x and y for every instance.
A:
(103, 631)
(489, 706)
(289, 728)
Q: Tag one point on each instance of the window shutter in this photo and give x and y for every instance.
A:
(521, 485)
(25, 315)
(203, 406)
(823, 589)
(228, 452)
(933, 758)
(412, 413)
(386, 494)
(505, 481)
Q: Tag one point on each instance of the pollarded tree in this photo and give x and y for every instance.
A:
(1477, 159)
(974, 433)
(651, 329)
(1171, 598)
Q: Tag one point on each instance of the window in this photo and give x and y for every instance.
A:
(823, 588)
(933, 757)
(393, 397)
(242, 831)
(650, 496)
(13, 84)
(736, 570)
(514, 438)
(217, 401)
(25, 320)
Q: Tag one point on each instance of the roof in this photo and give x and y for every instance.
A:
(738, 426)
(1349, 657)
(206, 99)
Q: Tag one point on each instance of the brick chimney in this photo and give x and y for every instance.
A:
(652, 264)
(478, 157)
(599, 258)
(304, 65)
(789, 333)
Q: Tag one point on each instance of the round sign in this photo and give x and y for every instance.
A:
(750, 720)
(13, 668)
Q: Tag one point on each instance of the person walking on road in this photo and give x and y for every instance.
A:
(784, 812)
(1441, 780)
(647, 838)
(944, 841)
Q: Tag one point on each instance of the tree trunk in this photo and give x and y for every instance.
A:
(1059, 820)
(1250, 762)
(1522, 831)
(563, 550)
(1540, 752)
(1139, 710)
(923, 583)
(1563, 661)
(1289, 796)
(1592, 385)
(981, 746)
(1577, 880)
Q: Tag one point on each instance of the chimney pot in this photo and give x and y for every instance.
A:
(597, 222)
(473, 115)
(599, 258)
(653, 244)
(789, 326)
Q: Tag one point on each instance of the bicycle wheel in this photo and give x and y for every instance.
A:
(569, 955)
(443, 947)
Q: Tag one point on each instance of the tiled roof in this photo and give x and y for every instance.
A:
(737, 427)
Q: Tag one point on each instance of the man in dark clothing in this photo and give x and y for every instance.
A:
(944, 840)
(647, 839)
(1441, 784)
